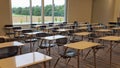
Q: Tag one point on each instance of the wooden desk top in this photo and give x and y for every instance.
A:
(82, 45)
(24, 60)
(63, 30)
(97, 26)
(5, 37)
(53, 37)
(110, 38)
(116, 28)
(82, 28)
(14, 43)
(33, 33)
(83, 33)
(103, 30)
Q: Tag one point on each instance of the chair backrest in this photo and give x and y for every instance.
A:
(42, 27)
(8, 26)
(54, 29)
(64, 23)
(8, 51)
(50, 24)
(33, 25)
(16, 28)
(2, 40)
(61, 25)
(41, 34)
(75, 23)
(89, 28)
(62, 41)
(26, 31)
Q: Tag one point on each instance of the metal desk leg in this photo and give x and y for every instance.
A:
(49, 53)
(94, 54)
(110, 54)
(44, 65)
(78, 59)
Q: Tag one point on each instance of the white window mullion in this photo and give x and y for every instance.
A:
(53, 11)
(65, 11)
(42, 13)
(31, 12)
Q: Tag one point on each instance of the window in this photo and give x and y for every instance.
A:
(36, 12)
(20, 11)
(59, 11)
(48, 11)
(30, 11)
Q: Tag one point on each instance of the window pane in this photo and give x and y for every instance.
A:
(36, 11)
(59, 11)
(48, 11)
(20, 11)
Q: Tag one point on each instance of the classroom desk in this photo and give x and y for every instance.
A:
(82, 34)
(13, 43)
(81, 46)
(24, 60)
(111, 39)
(103, 31)
(116, 28)
(5, 37)
(63, 30)
(51, 38)
(82, 28)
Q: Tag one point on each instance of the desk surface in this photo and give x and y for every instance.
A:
(103, 30)
(63, 30)
(83, 33)
(53, 37)
(110, 38)
(14, 43)
(33, 33)
(24, 60)
(5, 37)
(82, 45)
(82, 28)
(116, 28)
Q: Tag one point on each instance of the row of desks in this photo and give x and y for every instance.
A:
(79, 45)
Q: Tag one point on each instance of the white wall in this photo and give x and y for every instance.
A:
(79, 10)
(102, 11)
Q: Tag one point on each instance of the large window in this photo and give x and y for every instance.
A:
(30, 11)
(36, 12)
(59, 9)
(20, 11)
(48, 11)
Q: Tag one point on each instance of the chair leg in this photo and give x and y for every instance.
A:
(68, 61)
(37, 49)
(87, 54)
(57, 62)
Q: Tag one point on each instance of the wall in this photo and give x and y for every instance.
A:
(102, 11)
(116, 10)
(5, 14)
(79, 10)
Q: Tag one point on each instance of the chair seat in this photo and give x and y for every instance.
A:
(74, 40)
(43, 46)
(68, 54)
(99, 47)
(5, 55)
(20, 36)
(8, 51)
